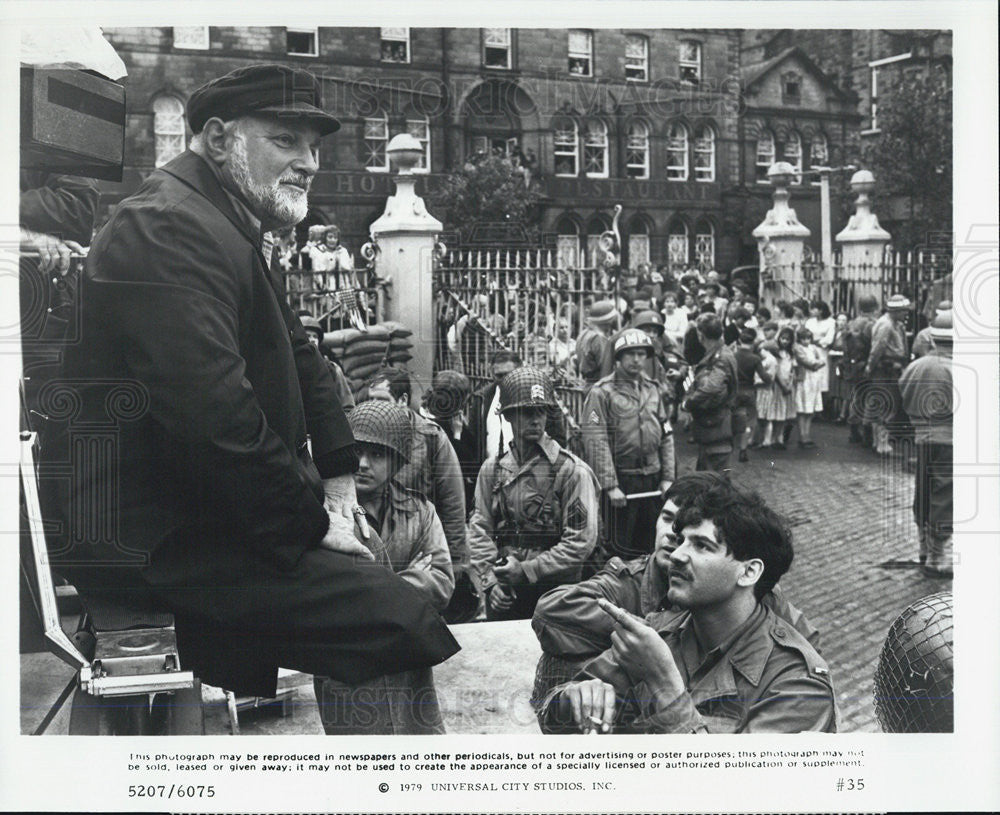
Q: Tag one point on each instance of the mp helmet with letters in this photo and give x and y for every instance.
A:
(526, 387)
(633, 339)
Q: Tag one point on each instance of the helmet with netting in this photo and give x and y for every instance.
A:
(633, 339)
(914, 681)
(526, 387)
(383, 423)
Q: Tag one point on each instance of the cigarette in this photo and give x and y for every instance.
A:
(359, 515)
(595, 721)
(635, 495)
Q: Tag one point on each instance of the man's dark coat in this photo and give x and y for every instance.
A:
(181, 430)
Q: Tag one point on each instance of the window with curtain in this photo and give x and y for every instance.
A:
(168, 129)
(704, 154)
(677, 153)
(792, 153)
(819, 153)
(496, 48)
(690, 61)
(376, 137)
(637, 150)
(567, 244)
(395, 45)
(581, 52)
(420, 129)
(566, 148)
(704, 246)
(638, 244)
(595, 149)
(636, 58)
(765, 155)
(677, 246)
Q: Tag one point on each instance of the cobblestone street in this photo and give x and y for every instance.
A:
(855, 550)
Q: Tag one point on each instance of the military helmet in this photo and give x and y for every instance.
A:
(312, 324)
(526, 387)
(633, 339)
(648, 317)
(383, 423)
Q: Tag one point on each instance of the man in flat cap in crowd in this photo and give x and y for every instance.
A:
(224, 516)
(591, 345)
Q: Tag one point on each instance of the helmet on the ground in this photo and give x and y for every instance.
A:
(633, 339)
(914, 681)
(383, 423)
(526, 387)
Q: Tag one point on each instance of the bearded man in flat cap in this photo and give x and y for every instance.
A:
(202, 385)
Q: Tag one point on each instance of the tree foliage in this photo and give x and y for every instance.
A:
(491, 195)
(912, 156)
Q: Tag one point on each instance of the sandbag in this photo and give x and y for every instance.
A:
(374, 332)
(365, 347)
(364, 372)
(399, 357)
(396, 329)
(352, 364)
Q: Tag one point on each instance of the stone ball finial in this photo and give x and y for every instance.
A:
(404, 152)
(781, 174)
(863, 181)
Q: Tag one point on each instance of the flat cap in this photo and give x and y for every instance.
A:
(264, 88)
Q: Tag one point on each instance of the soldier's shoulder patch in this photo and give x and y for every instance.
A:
(593, 418)
(577, 514)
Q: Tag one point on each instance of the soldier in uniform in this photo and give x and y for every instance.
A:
(628, 441)
(724, 663)
(534, 522)
(889, 355)
(857, 347)
(602, 319)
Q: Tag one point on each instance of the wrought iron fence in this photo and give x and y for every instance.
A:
(330, 296)
(841, 285)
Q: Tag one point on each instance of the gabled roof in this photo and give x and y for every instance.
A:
(753, 74)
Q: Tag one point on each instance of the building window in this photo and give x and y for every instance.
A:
(504, 146)
(793, 154)
(595, 149)
(636, 58)
(873, 105)
(581, 53)
(677, 246)
(765, 155)
(704, 246)
(637, 150)
(566, 151)
(191, 36)
(791, 88)
(420, 129)
(496, 48)
(819, 153)
(168, 129)
(638, 244)
(376, 137)
(704, 154)
(677, 153)
(690, 61)
(567, 243)
(302, 42)
(395, 45)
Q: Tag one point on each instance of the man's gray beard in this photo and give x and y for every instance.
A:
(273, 204)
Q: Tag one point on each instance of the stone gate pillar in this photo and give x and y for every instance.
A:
(406, 237)
(862, 242)
(780, 241)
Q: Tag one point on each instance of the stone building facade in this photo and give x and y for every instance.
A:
(666, 122)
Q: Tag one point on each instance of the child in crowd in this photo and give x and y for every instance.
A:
(776, 404)
(810, 374)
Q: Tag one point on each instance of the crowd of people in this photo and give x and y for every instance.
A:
(285, 521)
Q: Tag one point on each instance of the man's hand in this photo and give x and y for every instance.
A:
(592, 703)
(421, 563)
(53, 253)
(340, 537)
(341, 498)
(664, 486)
(643, 654)
(511, 572)
(499, 599)
(617, 497)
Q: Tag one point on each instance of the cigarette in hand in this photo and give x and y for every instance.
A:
(360, 517)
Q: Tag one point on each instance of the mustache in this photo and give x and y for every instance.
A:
(301, 179)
